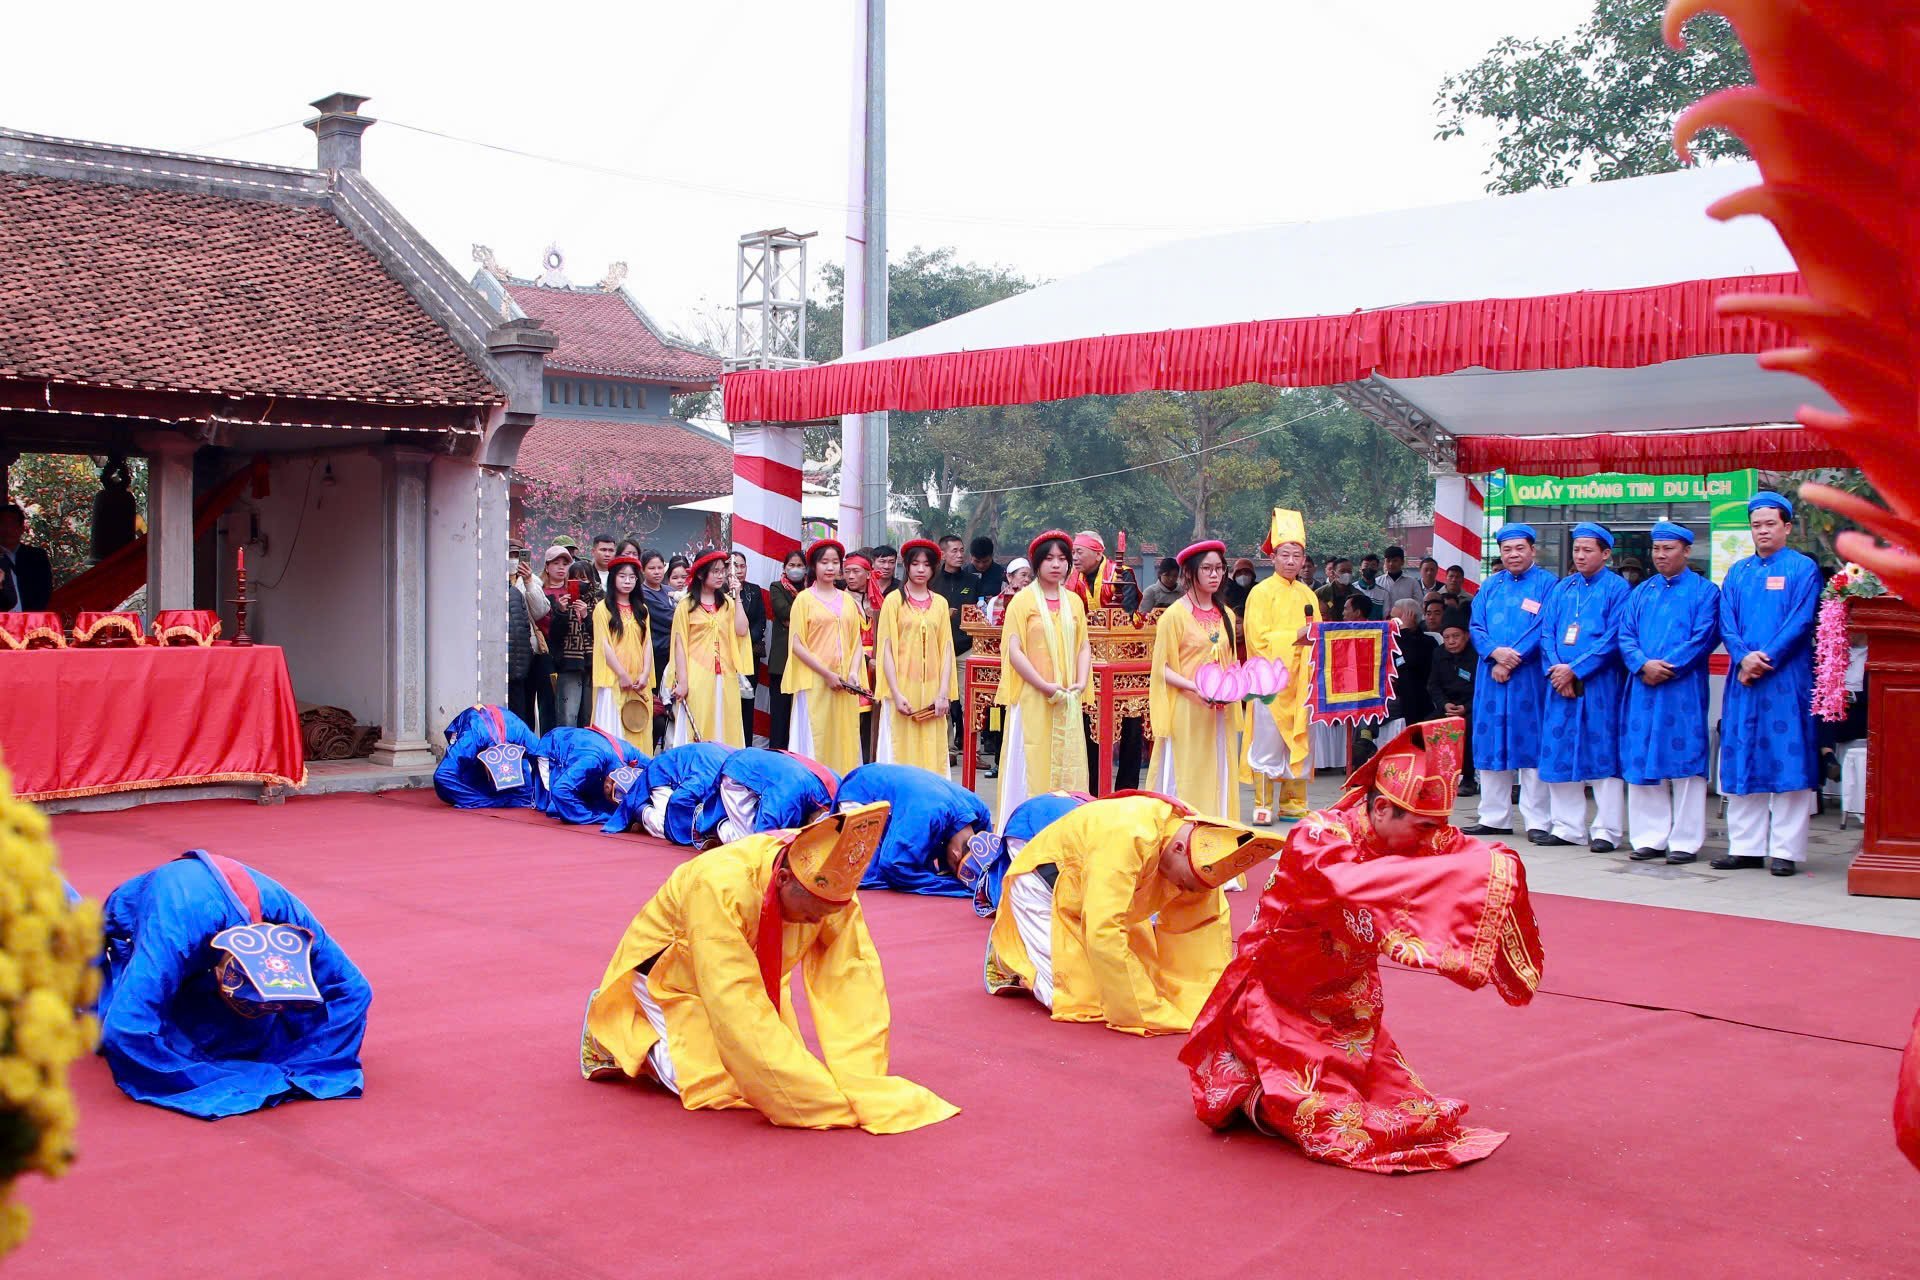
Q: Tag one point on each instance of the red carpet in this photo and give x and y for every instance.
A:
(1650, 1141)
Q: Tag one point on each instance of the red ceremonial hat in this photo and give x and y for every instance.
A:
(1420, 769)
(814, 551)
(1033, 548)
(701, 561)
(1201, 548)
(617, 561)
(931, 546)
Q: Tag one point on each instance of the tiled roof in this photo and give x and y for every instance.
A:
(601, 333)
(655, 459)
(110, 284)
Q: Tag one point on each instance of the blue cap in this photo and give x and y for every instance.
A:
(1598, 532)
(1768, 498)
(1668, 531)
(1508, 531)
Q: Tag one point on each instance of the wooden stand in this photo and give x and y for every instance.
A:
(1122, 655)
(1888, 865)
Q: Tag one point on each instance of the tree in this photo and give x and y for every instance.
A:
(1183, 440)
(1598, 104)
(56, 490)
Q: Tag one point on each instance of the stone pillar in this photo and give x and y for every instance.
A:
(403, 578)
(1459, 524)
(169, 521)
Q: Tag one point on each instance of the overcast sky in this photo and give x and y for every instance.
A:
(1045, 135)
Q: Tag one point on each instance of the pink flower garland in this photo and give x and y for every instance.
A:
(1830, 660)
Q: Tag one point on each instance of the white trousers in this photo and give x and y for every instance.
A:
(657, 1057)
(1031, 898)
(1670, 816)
(1568, 801)
(742, 807)
(654, 816)
(1496, 799)
(1769, 825)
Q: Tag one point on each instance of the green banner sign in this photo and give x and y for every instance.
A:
(1558, 491)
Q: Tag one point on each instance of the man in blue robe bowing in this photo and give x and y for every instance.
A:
(765, 790)
(931, 821)
(1768, 604)
(681, 781)
(489, 762)
(1512, 687)
(983, 868)
(224, 995)
(1580, 732)
(577, 762)
(1672, 625)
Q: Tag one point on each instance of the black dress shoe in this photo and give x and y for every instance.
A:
(1600, 846)
(1469, 788)
(1482, 829)
(1546, 838)
(1782, 866)
(1680, 859)
(1727, 862)
(1647, 855)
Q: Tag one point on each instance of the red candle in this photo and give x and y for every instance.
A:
(240, 562)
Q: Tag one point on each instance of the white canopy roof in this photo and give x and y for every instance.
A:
(1653, 356)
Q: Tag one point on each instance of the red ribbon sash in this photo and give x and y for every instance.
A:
(499, 723)
(240, 880)
(767, 940)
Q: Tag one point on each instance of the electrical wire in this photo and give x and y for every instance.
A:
(1102, 475)
(313, 469)
(742, 193)
(241, 137)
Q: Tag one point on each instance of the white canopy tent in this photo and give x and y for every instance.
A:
(1553, 313)
(1568, 331)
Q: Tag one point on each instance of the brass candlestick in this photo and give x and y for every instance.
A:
(241, 600)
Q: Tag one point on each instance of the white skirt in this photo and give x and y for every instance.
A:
(1013, 767)
(682, 732)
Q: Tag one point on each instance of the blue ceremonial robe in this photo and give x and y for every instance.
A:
(789, 791)
(1580, 736)
(1767, 741)
(1507, 613)
(927, 810)
(168, 1036)
(1027, 820)
(463, 782)
(692, 773)
(1664, 726)
(578, 762)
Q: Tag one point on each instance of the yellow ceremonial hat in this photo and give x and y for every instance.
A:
(829, 855)
(1288, 526)
(1219, 851)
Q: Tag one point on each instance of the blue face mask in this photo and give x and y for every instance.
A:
(796, 574)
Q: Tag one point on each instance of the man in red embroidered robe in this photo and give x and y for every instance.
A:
(1291, 1038)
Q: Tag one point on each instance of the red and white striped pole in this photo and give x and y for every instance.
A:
(766, 516)
(1459, 525)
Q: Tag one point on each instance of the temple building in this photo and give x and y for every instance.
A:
(608, 453)
(309, 381)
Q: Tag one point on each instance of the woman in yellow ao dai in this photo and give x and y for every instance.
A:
(1045, 664)
(1196, 743)
(711, 652)
(623, 656)
(823, 645)
(915, 666)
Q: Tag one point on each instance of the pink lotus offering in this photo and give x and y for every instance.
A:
(1265, 678)
(1220, 684)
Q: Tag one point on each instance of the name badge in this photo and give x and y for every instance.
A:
(1530, 606)
(1777, 583)
(505, 764)
(1464, 674)
(1573, 633)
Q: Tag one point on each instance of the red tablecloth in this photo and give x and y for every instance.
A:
(79, 722)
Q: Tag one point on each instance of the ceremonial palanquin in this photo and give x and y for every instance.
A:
(1292, 1036)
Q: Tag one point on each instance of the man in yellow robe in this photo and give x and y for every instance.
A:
(696, 998)
(1281, 613)
(1113, 913)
